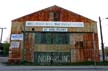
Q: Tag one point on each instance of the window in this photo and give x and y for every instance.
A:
(54, 16)
(79, 44)
(61, 38)
(51, 38)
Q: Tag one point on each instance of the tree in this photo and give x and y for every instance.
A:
(6, 48)
(106, 51)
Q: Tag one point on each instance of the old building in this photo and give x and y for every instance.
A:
(53, 35)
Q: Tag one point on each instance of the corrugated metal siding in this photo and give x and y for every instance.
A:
(65, 15)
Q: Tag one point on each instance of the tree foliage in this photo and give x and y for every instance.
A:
(6, 48)
(106, 51)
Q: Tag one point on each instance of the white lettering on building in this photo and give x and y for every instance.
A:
(56, 29)
(54, 24)
(16, 36)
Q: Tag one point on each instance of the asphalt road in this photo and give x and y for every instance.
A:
(53, 68)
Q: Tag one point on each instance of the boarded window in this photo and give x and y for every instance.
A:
(54, 16)
(51, 38)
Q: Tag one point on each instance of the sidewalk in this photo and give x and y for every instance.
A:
(3, 59)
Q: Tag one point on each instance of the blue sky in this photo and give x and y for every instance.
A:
(12, 9)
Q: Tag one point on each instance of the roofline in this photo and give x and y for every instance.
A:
(53, 6)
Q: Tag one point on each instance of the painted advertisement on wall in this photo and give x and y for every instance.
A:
(51, 57)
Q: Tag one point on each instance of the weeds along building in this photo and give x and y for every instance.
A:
(53, 35)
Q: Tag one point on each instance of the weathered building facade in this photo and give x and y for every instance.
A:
(53, 35)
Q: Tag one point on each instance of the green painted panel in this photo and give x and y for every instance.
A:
(51, 57)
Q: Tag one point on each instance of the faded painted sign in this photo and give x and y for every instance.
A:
(56, 29)
(14, 44)
(55, 24)
(16, 36)
(54, 57)
(45, 58)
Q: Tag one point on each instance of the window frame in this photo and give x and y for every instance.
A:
(54, 36)
(54, 16)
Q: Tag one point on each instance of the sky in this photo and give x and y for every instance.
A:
(12, 9)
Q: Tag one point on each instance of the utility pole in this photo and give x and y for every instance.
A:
(1, 34)
(102, 44)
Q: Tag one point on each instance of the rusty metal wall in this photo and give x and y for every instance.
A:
(26, 48)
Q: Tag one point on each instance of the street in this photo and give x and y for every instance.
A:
(53, 68)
